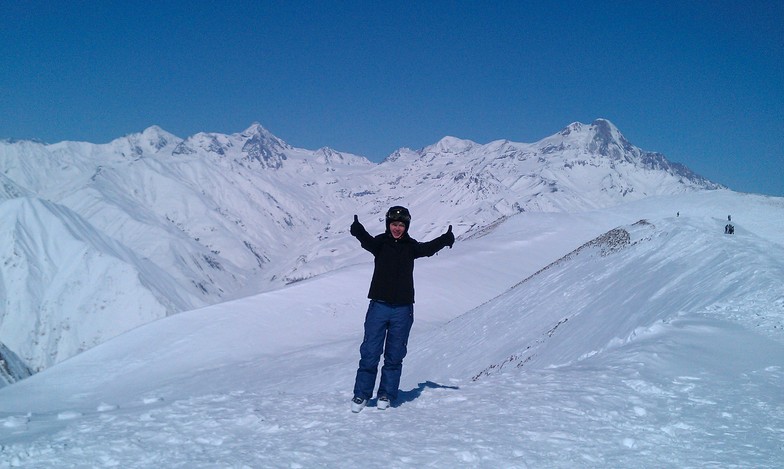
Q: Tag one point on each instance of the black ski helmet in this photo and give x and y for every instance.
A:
(398, 213)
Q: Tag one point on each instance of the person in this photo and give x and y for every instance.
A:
(390, 314)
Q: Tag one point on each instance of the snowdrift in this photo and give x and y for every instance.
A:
(624, 284)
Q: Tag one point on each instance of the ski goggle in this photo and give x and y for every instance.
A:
(398, 214)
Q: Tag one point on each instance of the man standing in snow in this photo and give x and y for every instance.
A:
(391, 312)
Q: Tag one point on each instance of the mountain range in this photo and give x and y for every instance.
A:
(101, 238)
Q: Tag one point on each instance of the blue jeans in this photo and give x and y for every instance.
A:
(386, 330)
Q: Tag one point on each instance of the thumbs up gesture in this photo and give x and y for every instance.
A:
(449, 237)
(356, 227)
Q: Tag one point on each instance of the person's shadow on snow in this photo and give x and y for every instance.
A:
(408, 396)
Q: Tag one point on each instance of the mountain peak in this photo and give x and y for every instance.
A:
(256, 129)
(598, 126)
(605, 130)
(264, 147)
(450, 144)
(158, 138)
(601, 122)
(152, 139)
(607, 140)
(573, 127)
(601, 137)
(258, 132)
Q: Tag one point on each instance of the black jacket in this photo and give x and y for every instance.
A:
(393, 276)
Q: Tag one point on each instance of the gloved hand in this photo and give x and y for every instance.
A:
(449, 238)
(356, 227)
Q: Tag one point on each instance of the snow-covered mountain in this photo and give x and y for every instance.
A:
(101, 238)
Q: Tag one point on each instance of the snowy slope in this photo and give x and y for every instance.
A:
(50, 253)
(553, 340)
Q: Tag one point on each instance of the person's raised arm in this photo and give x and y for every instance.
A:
(358, 231)
(431, 247)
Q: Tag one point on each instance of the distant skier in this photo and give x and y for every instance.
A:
(390, 314)
(729, 217)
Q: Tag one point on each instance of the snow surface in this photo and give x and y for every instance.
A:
(657, 344)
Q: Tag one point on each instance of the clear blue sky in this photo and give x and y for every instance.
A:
(699, 81)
